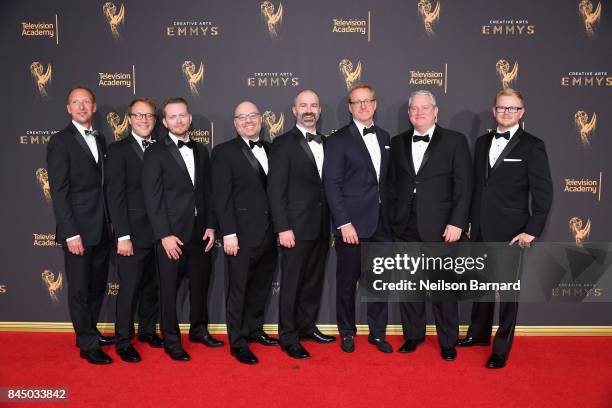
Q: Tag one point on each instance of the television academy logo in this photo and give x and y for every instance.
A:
(505, 74)
(585, 127)
(589, 17)
(360, 26)
(351, 75)
(272, 19)
(41, 77)
(43, 181)
(194, 79)
(118, 126)
(53, 284)
(41, 29)
(428, 15)
(273, 126)
(114, 18)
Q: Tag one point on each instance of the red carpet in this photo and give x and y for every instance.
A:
(542, 372)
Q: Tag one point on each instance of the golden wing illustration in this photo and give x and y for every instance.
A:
(433, 16)
(118, 18)
(278, 16)
(43, 180)
(279, 125)
(356, 74)
(197, 77)
(585, 232)
(589, 127)
(47, 76)
(595, 16)
(55, 285)
(512, 75)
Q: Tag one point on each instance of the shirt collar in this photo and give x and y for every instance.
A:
(139, 139)
(429, 132)
(512, 130)
(301, 129)
(360, 127)
(80, 128)
(247, 141)
(174, 138)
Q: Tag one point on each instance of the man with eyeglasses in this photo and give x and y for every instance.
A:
(512, 197)
(136, 266)
(300, 215)
(430, 187)
(240, 173)
(178, 199)
(355, 174)
(75, 165)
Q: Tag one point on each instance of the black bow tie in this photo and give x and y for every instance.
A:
(93, 133)
(310, 137)
(505, 135)
(190, 144)
(252, 144)
(417, 138)
(369, 130)
(147, 143)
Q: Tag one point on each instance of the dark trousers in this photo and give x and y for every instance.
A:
(482, 323)
(87, 276)
(446, 314)
(137, 287)
(250, 274)
(303, 270)
(348, 271)
(196, 265)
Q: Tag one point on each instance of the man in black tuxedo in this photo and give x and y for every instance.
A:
(512, 197)
(178, 199)
(430, 186)
(240, 168)
(136, 266)
(355, 169)
(300, 216)
(75, 164)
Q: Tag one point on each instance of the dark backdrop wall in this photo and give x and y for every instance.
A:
(218, 53)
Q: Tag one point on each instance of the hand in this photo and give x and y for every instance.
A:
(349, 234)
(172, 247)
(230, 246)
(451, 233)
(75, 246)
(524, 240)
(469, 231)
(125, 248)
(210, 235)
(286, 239)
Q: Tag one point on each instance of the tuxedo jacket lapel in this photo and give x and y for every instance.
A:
(358, 139)
(299, 137)
(435, 139)
(248, 153)
(136, 147)
(81, 141)
(514, 140)
(174, 152)
(407, 140)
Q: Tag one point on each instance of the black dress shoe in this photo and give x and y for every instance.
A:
(381, 344)
(208, 341)
(448, 354)
(264, 339)
(178, 355)
(470, 341)
(152, 340)
(409, 346)
(244, 355)
(496, 361)
(318, 337)
(106, 340)
(348, 344)
(296, 351)
(96, 356)
(129, 354)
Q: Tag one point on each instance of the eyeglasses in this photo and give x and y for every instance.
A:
(141, 116)
(365, 102)
(249, 116)
(511, 109)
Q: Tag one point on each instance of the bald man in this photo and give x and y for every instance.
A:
(240, 172)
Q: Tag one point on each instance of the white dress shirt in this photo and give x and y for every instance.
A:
(316, 149)
(371, 142)
(139, 140)
(498, 145)
(418, 148)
